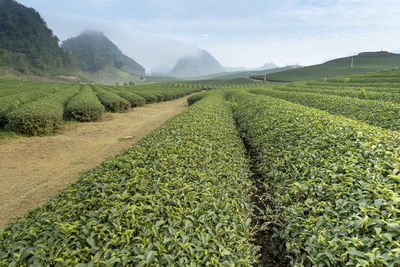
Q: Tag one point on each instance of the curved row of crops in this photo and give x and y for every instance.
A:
(43, 115)
(238, 82)
(85, 106)
(360, 93)
(375, 112)
(180, 197)
(11, 102)
(332, 183)
(41, 110)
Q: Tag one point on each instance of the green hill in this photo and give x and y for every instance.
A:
(101, 59)
(242, 74)
(26, 44)
(362, 63)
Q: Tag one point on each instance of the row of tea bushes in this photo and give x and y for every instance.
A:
(332, 183)
(11, 102)
(43, 115)
(180, 197)
(197, 97)
(40, 110)
(85, 106)
(134, 99)
(111, 101)
(358, 92)
(375, 112)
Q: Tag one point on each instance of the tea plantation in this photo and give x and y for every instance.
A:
(251, 174)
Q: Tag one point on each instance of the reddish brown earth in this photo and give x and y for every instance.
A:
(35, 168)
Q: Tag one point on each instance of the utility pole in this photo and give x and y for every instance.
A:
(265, 77)
(352, 62)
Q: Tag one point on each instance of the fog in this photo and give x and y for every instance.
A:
(149, 51)
(238, 34)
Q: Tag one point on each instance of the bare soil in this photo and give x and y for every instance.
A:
(35, 168)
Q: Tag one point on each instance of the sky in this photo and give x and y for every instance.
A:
(237, 33)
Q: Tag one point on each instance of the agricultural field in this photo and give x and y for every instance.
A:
(358, 64)
(35, 108)
(251, 174)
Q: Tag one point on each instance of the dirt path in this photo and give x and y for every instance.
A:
(33, 169)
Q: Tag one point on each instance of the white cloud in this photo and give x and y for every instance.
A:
(307, 51)
(291, 31)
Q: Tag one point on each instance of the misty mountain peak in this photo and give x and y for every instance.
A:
(92, 32)
(95, 52)
(202, 63)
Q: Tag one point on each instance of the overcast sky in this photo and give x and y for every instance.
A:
(238, 33)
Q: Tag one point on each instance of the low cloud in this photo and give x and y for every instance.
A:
(238, 34)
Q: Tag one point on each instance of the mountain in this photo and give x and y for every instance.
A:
(268, 66)
(202, 63)
(162, 70)
(357, 64)
(98, 56)
(27, 45)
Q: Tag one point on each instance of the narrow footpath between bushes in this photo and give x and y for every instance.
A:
(33, 169)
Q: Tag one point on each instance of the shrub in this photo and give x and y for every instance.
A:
(179, 197)
(111, 101)
(375, 112)
(11, 102)
(194, 98)
(43, 115)
(85, 106)
(134, 99)
(332, 182)
(148, 96)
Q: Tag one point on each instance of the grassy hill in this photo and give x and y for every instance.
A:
(362, 63)
(241, 74)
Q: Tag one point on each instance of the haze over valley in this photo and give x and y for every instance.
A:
(237, 34)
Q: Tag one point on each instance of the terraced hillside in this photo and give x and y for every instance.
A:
(358, 64)
(294, 174)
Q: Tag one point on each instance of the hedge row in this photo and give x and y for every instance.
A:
(358, 92)
(157, 94)
(11, 102)
(361, 91)
(332, 183)
(111, 101)
(85, 106)
(134, 99)
(197, 97)
(148, 96)
(43, 115)
(180, 197)
(379, 113)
